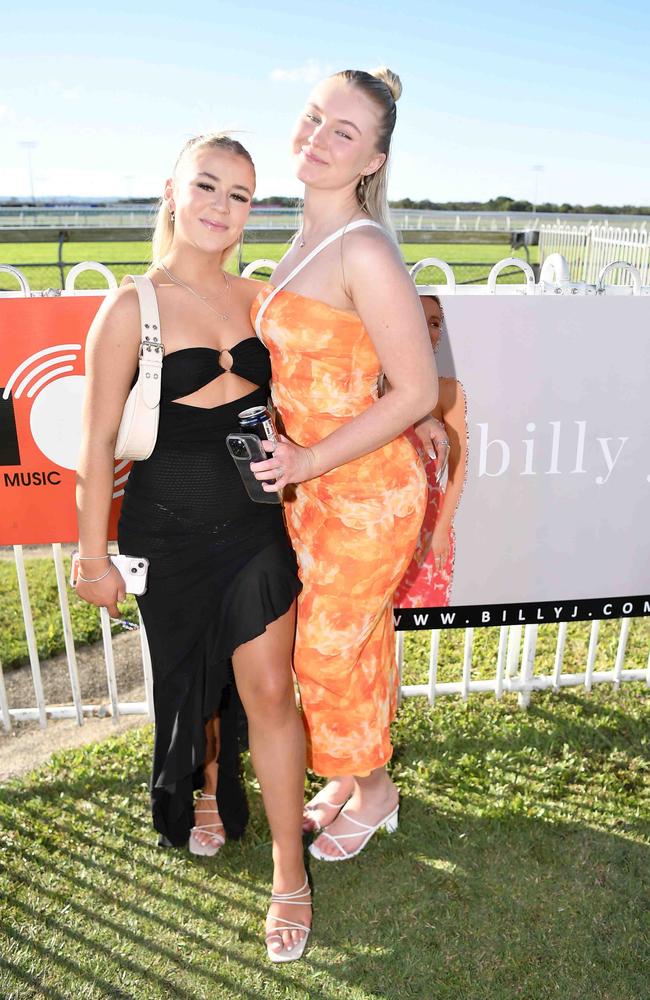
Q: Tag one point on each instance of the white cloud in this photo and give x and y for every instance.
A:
(65, 93)
(310, 72)
(5, 112)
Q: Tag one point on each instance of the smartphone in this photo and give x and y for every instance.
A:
(133, 569)
(244, 449)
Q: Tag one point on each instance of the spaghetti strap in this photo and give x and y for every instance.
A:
(303, 263)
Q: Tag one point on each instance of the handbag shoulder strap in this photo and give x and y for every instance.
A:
(152, 349)
(303, 263)
(149, 315)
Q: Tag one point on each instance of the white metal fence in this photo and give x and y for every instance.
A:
(588, 249)
(283, 218)
(516, 667)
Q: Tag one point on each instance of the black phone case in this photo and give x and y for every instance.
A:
(253, 486)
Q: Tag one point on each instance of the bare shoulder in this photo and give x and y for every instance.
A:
(369, 247)
(119, 314)
(246, 289)
(451, 393)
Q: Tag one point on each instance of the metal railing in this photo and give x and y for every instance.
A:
(587, 249)
(515, 666)
(135, 243)
(142, 214)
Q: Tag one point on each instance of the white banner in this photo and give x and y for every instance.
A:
(555, 510)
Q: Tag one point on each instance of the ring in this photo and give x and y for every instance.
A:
(445, 442)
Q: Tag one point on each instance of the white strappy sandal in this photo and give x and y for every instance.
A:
(310, 823)
(294, 951)
(389, 823)
(215, 831)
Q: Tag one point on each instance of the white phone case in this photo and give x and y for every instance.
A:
(133, 569)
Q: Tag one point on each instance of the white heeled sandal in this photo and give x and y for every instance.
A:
(389, 823)
(213, 831)
(293, 952)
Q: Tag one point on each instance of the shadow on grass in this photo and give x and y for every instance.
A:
(476, 897)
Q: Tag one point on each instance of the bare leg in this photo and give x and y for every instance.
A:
(277, 744)
(212, 744)
(373, 798)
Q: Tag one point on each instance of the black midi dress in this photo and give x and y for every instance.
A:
(221, 569)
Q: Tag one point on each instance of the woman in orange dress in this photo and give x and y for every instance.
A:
(355, 515)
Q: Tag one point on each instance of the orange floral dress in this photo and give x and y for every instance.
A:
(354, 531)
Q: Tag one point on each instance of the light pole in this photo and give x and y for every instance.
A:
(537, 169)
(28, 145)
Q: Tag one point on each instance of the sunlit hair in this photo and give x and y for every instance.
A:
(163, 233)
(384, 88)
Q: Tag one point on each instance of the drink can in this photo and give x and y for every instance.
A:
(258, 420)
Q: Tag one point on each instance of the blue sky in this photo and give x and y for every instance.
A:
(110, 95)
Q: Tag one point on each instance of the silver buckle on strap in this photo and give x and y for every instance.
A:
(151, 345)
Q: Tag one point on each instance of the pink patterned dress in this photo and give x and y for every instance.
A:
(424, 586)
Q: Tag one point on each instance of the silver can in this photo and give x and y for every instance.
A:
(258, 420)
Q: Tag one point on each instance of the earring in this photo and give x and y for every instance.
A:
(172, 215)
(362, 191)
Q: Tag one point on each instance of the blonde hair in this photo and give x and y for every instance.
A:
(384, 88)
(163, 233)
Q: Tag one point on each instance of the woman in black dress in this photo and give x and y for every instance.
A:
(222, 576)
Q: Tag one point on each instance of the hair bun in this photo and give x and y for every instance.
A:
(391, 80)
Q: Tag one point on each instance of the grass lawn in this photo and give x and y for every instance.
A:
(519, 872)
(22, 255)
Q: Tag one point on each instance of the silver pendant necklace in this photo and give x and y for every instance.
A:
(301, 239)
(202, 298)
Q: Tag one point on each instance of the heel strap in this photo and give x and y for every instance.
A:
(297, 898)
(363, 826)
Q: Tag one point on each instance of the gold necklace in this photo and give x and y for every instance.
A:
(202, 298)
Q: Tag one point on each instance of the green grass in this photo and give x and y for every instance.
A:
(25, 255)
(519, 872)
(41, 583)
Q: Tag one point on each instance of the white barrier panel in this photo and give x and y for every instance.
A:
(552, 522)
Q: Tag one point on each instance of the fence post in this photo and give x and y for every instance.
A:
(399, 657)
(512, 654)
(30, 635)
(110, 663)
(67, 631)
(4, 704)
(434, 651)
(527, 665)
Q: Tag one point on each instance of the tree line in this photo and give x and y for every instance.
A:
(501, 204)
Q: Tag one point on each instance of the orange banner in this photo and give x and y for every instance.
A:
(41, 391)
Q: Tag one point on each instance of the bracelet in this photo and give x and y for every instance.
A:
(95, 579)
(88, 558)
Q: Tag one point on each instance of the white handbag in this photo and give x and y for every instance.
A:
(138, 430)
